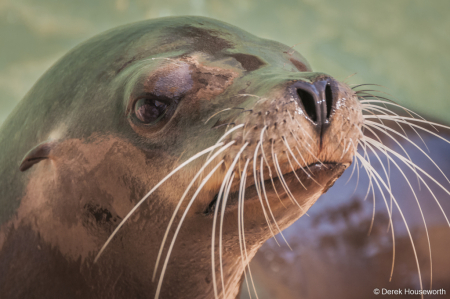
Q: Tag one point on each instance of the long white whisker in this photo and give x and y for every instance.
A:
(355, 166)
(181, 201)
(268, 165)
(404, 220)
(382, 129)
(364, 147)
(209, 149)
(225, 185)
(312, 140)
(258, 190)
(283, 182)
(371, 186)
(418, 204)
(301, 157)
(376, 108)
(305, 132)
(408, 121)
(413, 168)
(366, 107)
(370, 170)
(353, 170)
(298, 163)
(225, 195)
(366, 155)
(163, 271)
(230, 173)
(393, 104)
(386, 172)
(268, 206)
(295, 173)
(243, 259)
(375, 143)
(241, 215)
(225, 135)
(226, 109)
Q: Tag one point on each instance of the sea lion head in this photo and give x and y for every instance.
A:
(114, 117)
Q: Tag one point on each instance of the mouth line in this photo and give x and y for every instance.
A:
(308, 170)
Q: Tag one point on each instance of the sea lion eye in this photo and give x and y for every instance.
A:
(149, 111)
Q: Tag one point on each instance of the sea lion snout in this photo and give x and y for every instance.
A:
(297, 128)
(311, 114)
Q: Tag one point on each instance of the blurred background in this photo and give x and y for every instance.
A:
(403, 45)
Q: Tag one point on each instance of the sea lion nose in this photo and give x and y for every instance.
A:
(316, 99)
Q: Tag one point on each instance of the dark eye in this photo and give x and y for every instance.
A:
(149, 111)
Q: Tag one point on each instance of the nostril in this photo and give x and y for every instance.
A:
(328, 99)
(308, 103)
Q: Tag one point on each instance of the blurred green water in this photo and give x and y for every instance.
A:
(403, 45)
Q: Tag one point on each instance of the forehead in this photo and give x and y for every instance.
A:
(220, 40)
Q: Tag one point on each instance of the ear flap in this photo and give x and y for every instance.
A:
(35, 155)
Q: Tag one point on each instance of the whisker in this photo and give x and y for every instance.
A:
(181, 201)
(426, 185)
(373, 108)
(414, 169)
(366, 85)
(383, 128)
(241, 225)
(209, 149)
(225, 195)
(163, 271)
(408, 111)
(222, 125)
(390, 219)
(258, 191)
(247, 95)
(226, 109)
(404, 220)
(299, 125)
(268, 206)
(230, 173)
(283, 182)
(303, 160)
(417, 201)
(363, 146)
(286, 144)
(389, 102)
(388, 163)
(295, 173)
(268, 166)
(225, 135)
(306, 147)
(348, 77)
(381, 109)
(301, 156)
(225, 185)
(353, 170)
(367, 91)
(355, 166)
(371, 172)
(213, 264)
(407, 120)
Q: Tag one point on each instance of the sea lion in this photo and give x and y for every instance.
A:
(198, 112)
